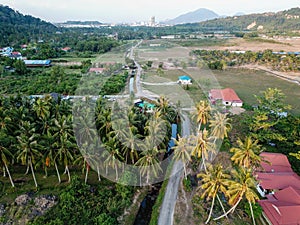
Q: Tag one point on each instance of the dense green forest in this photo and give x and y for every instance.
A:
(16, 27)
(282, 21)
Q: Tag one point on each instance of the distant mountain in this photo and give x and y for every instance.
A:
(73, 24)
(288, 20)
(194, 17)
(84, 22)
(16, 27)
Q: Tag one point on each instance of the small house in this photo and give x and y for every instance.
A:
(96, 70)
(227, 97)
(184, 80)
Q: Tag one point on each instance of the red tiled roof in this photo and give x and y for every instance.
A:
(227, 95)
(100, 70)
(277, 162)
(283, 208)
(278, 181)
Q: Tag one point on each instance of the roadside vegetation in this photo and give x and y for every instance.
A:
(226, 192)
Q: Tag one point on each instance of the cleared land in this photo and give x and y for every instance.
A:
(285, 44)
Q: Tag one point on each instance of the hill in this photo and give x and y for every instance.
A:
(18, 28)
(288, 20)
(194, 17)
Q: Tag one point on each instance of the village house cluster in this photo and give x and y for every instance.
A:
(279, 185)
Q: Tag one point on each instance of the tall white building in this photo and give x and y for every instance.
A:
(152, 21)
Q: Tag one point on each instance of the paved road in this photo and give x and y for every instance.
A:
(166, 215)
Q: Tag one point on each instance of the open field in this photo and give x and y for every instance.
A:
(255, 45)
(246, 83)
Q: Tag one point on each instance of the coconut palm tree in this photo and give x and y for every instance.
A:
(65, 152)
(246, 154)
(27, 146)
(112, 155)
(213, 181)
(49, 143)
(166, 111)
(244, 186)
(182, 151)
(219, 125)
(148, 162)
(41, 107)
(202, 113)
(62, 126)
(130, 147)
(103, 122)
(203, 146)
(156, 129)
(5, 156)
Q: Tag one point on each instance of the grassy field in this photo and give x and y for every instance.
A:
(246, 83)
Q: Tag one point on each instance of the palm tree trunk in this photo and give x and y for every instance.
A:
(27, 170)
(199, 127)
(211, 209)
(86, 174)
(140, 178)
(219, 200)
(33, 175)
(116, 167)
(98, 172)
(4, 173)
(58, 176)
(184, 170)
(147, 179)
(46, 172)
(252, 215)
(203, 162)
(65, 170)
(230, 210)
(68, 172)
(11, 181)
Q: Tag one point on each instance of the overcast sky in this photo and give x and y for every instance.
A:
(138, 10)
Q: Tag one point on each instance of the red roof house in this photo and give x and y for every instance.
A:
(227, 96)
(282, 208)
(278, 181)
(275, 162)
(96, 70)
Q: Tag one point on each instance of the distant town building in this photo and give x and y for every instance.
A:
(152, 21)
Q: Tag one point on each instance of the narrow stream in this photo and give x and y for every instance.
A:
(144, 214)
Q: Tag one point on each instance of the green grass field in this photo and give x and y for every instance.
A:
(246, 83)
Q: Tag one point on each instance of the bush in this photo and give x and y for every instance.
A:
(187, 184)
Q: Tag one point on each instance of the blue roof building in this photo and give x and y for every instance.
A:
(37, 63)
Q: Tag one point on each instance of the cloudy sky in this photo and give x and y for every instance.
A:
(138, 10)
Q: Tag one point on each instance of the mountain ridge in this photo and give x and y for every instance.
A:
(198, 15)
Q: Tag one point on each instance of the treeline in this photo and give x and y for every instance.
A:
(220, 59)
(38, 81)
(270, 21)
